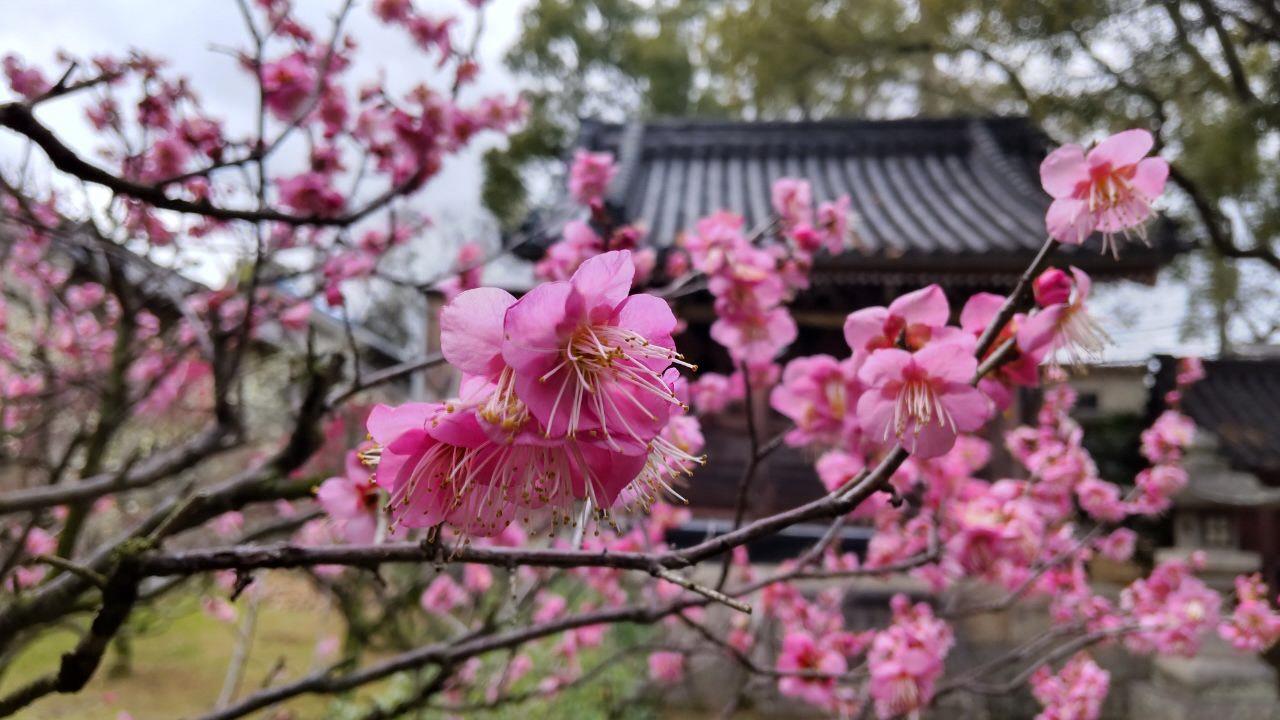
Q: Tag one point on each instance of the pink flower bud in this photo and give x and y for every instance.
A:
(1053, 287)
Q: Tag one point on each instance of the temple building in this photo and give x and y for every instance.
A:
(1230, 508)
(953, 201)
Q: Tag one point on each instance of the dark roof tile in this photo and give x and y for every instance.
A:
(1238, 401)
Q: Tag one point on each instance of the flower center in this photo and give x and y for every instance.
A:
(836, 398)
(919, 403)
(503, 408)
(666, 463)
(1081, 338)
(599, 356)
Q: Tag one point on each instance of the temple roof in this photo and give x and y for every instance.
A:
(1238, 402)
(957, 196)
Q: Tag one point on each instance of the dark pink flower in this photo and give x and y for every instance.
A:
(910, 321)
(922, 399)
(25, 81)
(1052, 287)
(310, 193)
(287, 83)
(588, 360)
(802, 653)
(351, 500)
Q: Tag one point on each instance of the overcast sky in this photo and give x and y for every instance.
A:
(1142, 319)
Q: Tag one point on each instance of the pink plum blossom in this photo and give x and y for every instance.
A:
(911, 320)
(588, 360)
(666, 666)
(1109, 190)
(1075, 693)
(287, 83)
(351, 500)
(802, 653)
(1118, 545)
(922, 399)
(28, 82)
(590, 175)
(836, 468)
(442, 466)
(818, 393)
(793, 201)
(833, 224)
(1066, 328)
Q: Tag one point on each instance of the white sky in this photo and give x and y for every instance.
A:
(1142, 319)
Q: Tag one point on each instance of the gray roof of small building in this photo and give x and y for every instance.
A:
(1238, 401)
(957, 194)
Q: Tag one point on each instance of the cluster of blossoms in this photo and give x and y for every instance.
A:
(1075, 692)
(906, 659)
(1254, 625)
(557, 407)
(752, 277)
(589, 177)
(357, 134)
(68, 332)
(566, 397)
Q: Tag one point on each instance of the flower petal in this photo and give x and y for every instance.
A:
(875, 411)
(969, 408)
(1068, 221)
(1123, 148)
(952, 360)
(532, 328)
(1084, 284)
(929, 440)
(605, 280)
(926, 306)
(1063, 170)
(979, 311)
(1036, 333)
(882, 367)
(1150, 177)
(863, 326)
(648, 315)
(387, 422)
(471, 330)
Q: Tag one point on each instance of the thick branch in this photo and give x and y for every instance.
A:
(155, 469)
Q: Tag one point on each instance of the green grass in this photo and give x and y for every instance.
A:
(179, 658)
